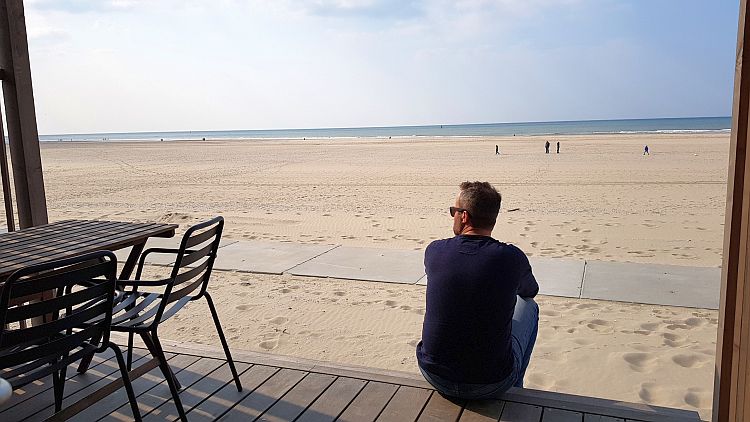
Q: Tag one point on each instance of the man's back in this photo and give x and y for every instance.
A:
(471, 294)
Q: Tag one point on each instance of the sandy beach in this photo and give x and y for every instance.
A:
(599, 199)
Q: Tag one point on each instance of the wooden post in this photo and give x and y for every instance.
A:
(21, 116)
(7, 196)
(732, 378)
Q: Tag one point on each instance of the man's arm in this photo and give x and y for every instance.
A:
(527, 285)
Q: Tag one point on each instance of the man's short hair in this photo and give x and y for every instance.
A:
(482, 201)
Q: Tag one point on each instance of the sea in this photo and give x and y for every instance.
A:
(580, 127)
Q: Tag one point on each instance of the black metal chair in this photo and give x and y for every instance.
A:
(141, 312)
(58, 297)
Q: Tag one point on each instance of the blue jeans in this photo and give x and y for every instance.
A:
(523, 336)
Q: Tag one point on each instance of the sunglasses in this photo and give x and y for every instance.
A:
(454, 210)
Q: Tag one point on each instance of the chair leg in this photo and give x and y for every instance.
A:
(152, 342)
(224, 344)
(130, 350)
(126, 381)
(86, 359)
(58, 387)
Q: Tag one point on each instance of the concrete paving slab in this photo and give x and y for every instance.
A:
(164, 242)
(694, 287)
(557, 276)
(267, 257)
(371, 264)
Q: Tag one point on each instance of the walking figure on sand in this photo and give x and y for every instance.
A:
(546, 147)
(645, 150)
(558, 147)
(497, 150)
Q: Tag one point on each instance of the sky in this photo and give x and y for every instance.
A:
(162, 65)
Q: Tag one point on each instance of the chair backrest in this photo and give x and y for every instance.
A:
(70, 305)
(195, 259)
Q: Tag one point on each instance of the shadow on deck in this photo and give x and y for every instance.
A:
(284, 389)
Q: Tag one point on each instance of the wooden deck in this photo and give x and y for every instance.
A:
(285, 389)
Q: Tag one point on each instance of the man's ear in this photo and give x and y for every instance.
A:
(465, 219)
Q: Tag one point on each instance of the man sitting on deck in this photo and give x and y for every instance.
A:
(480, 322)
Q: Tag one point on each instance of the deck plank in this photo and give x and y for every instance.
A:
(520, 412)
(41, 386)
(558, 415)
(112, 402)
(599, 418)
(369, 402)
(482, 411)
(406, 404)
(78, 387)
(196, 393)
(440, 408)
(333, 401)
(158, 394)
(298, 398)
(188, 378)
(227, 396)
(264, 396)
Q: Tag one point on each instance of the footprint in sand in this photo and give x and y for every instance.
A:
(339, 293)
(583, 341)
(673, 340)
(640, 362)
(698, 397)
(413, 343)
(391, 303)
(550, 313)
(541, 381)
(278, 320)
(242, 307)
(269, 344)
(587, 306)
(650, 326)
(695, 322)
(599, 325)
(651, 392)
(690, 361)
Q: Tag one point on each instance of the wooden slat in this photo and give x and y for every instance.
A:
(227, 396)
(298, 398)
(482, 411)
(151, 399)
(557, 415)
(78, 388)
(599, 418)
(198, 392)
(109, 404)
(440, 408)
(264, 396)
(406, 404)
(41, 386)
(369, 402)
(333, 401)
(519, 412)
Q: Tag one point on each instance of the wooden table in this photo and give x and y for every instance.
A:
(66, 239)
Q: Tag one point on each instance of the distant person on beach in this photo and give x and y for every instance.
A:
(481, 321)
(546, 147)
(497, 150)
(645, 150)
(558, 147)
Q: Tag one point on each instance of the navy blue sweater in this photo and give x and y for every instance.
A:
(471, 294)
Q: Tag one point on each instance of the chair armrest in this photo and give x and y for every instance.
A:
(160, 250)
(138, 283)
